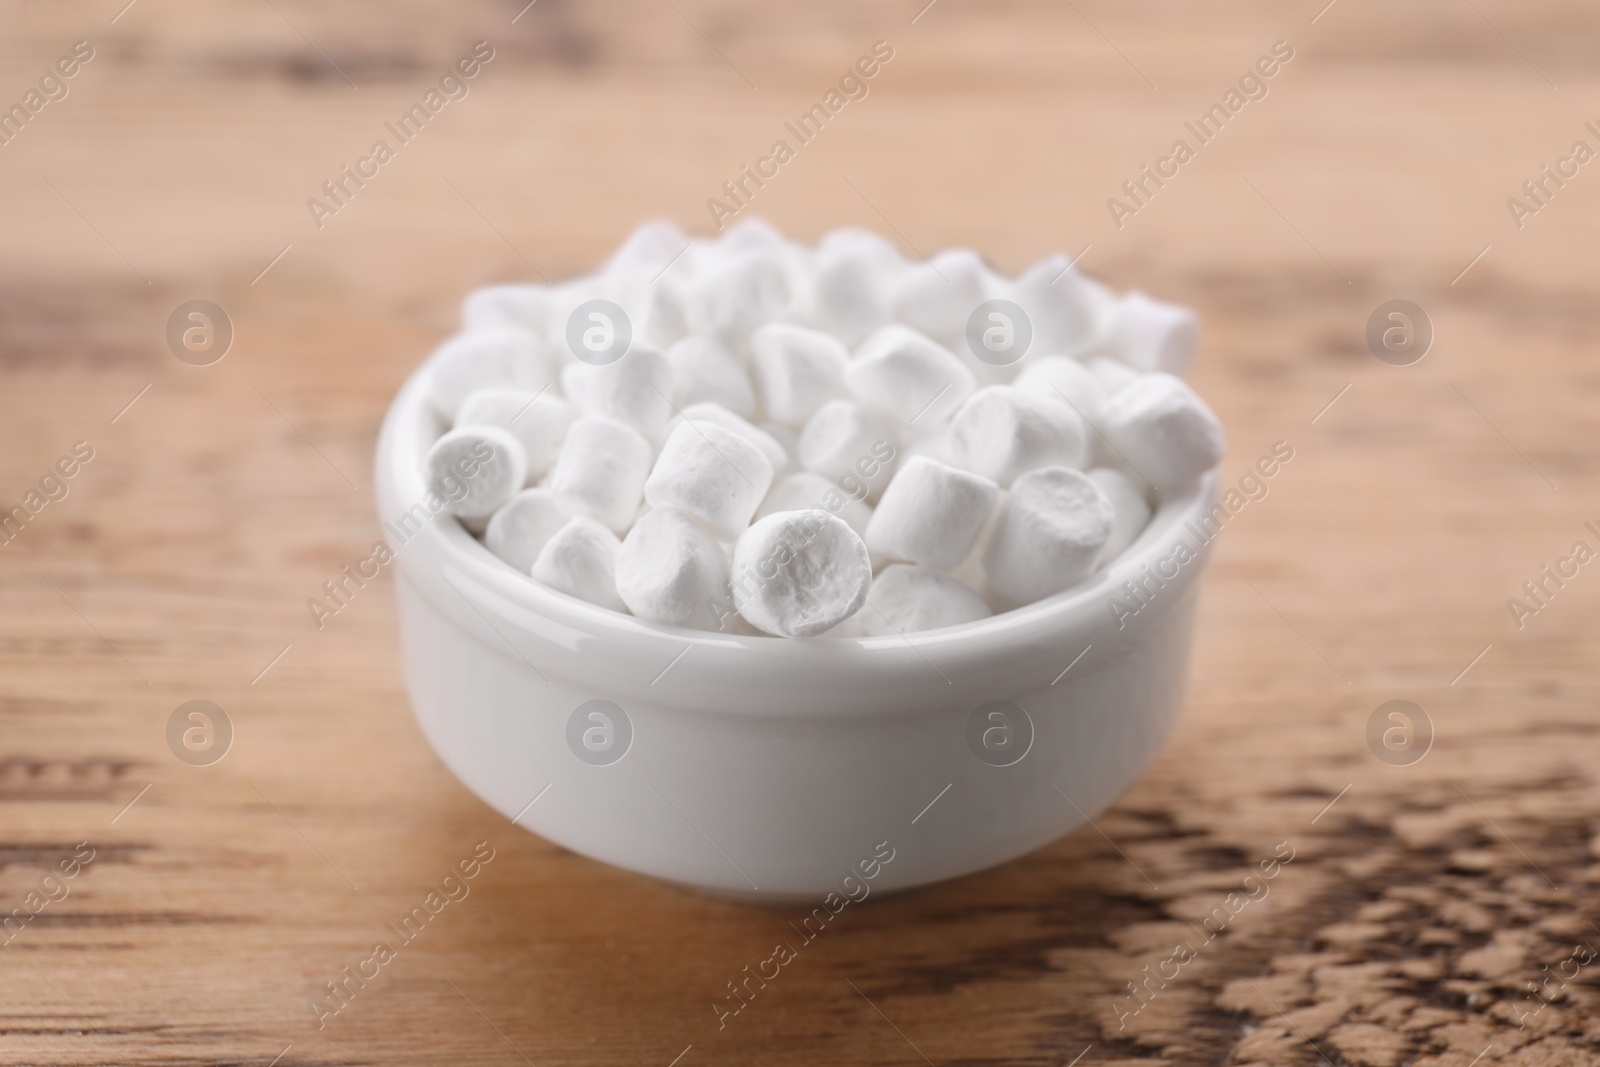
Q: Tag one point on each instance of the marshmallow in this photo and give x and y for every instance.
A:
(710, 474)
(805, 489)
(844, 439)
(1049, 533)
(1151, 336)
(798, 573)
(1065, 381)
(906, 599)
(663, 315)
(931, 514)
(785, 436)
(1113, 375)
(718, 415)
(601, 471)
(754, 235)
(938, 296)
(705, 369)
(1165, 431)
(1001, 432)
(522, 525)
(636, 389)
(649, 248)
(670, 570)
(580, 559)
(530, 308)
(1129, 510)
(849, 240)
(850, 294)
(1061, 306)
(487, 461)
(539, 421)
(736, 297)
(797, 370)
(480, 360)
(908, 377)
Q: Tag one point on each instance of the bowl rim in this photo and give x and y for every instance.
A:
(444, 549)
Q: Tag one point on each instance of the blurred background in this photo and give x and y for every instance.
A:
(1432, 894)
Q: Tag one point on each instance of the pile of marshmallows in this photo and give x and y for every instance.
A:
(753, 436)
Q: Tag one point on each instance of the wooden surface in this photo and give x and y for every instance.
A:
(1417, 906)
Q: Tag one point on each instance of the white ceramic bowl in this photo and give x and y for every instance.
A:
(771, 769)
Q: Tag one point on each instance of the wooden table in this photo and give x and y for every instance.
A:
(1421, 899)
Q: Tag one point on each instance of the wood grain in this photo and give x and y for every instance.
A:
(1420, 901)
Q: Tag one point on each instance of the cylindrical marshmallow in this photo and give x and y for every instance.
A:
(718, 415)
(1048, 535)
(476, 469)
(522, 525)
(1151, 336)
(844, 439)
(906, 599)
(601, 471)
(636, 389)
(1130, 511)
(704, 370)
(529, 308)
(710, 474)
(1065, 381)
(734, 298)
(931, 514)
(480, 360)
(937, 297)
(1001, 432)
(850, 293)
(1166, 432)
(908, 376)
(580, 559)
(539, 420)
(799, 573)
(797, 370)
(1061, 306)
(670, 570)
(804, 489)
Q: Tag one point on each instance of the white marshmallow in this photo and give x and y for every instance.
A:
(1130, 511)
(1048, 535)
(797, 370)
(580, 559)
(718, 415)
(843, 439)
(931, 514)
(908, 377)
(1112, 374)
(636, 389)
(601, 471)
(481, 360)
(539, 420)
(487, 460)
(1164, 429)
(670, 570)
(705, 369)
(1151, 336)
(710, 474)
(663, 315)
(906, 599)
(850, 294)
(876, 248)
(798, 573)
(1001, 432)
(1061, 307)
(937, 297)
(530, 308)
(734, 298)
(1064, 380)
(786, 436)
(649, 248)
(805, 489)
(753, 235)
(521, 527)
